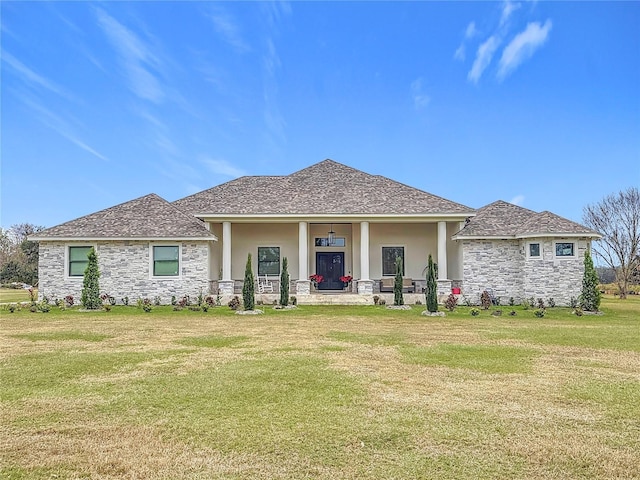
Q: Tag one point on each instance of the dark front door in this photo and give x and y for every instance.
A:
(331, 267)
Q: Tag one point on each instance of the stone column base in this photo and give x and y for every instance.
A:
(365, 287)
(303, 287)
(225, 287)
(444, 287)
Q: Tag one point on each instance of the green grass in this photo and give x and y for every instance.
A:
(13, 295)
(320, 392)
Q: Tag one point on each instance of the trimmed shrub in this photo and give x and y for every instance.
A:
(284, 283)
(90, 284)
(590, 296)
(398, 298)
(432, 286)
(248, 289)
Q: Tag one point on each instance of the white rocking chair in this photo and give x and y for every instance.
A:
(265, 285)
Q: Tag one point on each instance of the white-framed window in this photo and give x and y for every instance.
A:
(268, 261)
(565, 249)
(77, 260)
(324, 242)
(534, 250)
(165, 260)
(389, 256)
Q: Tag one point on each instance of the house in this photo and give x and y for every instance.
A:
(327, 219)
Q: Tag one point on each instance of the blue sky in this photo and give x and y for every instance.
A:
(537, 103)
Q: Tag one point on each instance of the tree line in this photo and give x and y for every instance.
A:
(18, 254)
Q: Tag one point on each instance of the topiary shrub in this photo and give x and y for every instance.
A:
(485, 300)
(234, 303)
(284, 283)
(432, 287)
(248, 289)
(90, 285)
(590, 296)
(398, 298)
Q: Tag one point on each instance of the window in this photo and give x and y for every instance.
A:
(534, 249)
(389, 255)
(268, 260)
(166, 260)
(564, 249)
(78, 260)
(324, 242)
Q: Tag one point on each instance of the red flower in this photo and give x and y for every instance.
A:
(315, 278)
(346, 278)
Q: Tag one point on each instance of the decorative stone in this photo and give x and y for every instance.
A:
(365, 287)
(303, 287)
(226, 287)
(249, 312)
(444, 287)
(427, 313)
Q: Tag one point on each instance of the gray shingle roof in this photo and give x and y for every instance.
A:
(503, 220)
(327, 187)
(146, 217)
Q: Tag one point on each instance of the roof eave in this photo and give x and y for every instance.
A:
(335, 218)
(209, 238)
(560, 235)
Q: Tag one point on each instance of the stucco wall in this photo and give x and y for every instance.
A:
(124, 271)
(504, 267)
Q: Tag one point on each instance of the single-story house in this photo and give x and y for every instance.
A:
(328, 219)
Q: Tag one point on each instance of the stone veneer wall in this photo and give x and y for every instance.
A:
(502, 265)
(124, 271)
(494, 264)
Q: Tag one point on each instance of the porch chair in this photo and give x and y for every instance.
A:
(265, 285)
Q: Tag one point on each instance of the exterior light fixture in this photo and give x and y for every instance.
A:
(332, 236)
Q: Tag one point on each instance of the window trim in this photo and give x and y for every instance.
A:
(279, 260)
(536, 257)
(152, 261)
(67, 260)
(404, 257)
(573, 250)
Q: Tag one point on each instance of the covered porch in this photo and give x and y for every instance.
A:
(364, 249)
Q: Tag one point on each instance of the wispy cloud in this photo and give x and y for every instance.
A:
(517, 200)
(471, 30)
(31, 77)
(136, 57)
(221, 167)
(226, 26)
(523, 46)
(469, 33)
(61, 126)
(420, 99)
(483, 58)
(508, 7)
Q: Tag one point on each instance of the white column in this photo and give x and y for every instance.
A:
(303, 251)
(364, 250)
(442, 251)
(226, 251)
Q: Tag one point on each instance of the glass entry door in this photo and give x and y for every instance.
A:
(331, 267)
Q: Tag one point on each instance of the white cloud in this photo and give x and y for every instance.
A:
(222, 167)
(135, 56)
(523, 46)
(507, 9)
(483, 58)
(471, 31)
(420, 99)
(460, 53)
(228, 29)
(32, 77)
(517, 200)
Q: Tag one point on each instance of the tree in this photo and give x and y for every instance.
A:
(18, 255)
(432, 286)
(90, 284)
(284, 283)
(248, 289)
(617, 218)
(590, 296)
(398, 299)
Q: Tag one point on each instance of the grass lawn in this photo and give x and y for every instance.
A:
(320, 392)
(13, 295)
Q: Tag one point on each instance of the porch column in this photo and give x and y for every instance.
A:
(444, 284)
(365, 284)
(226, 284)
(303, 284)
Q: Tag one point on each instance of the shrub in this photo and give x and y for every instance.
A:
(125, 301)
(432, 286)
(69, 300)
(532, 302)
(496, 301)
(90, 285)
(513, 313)
(184, 301)
(485, 300)
(539, 312)
(294, 300)
(173, 300)
(382, 301)
(497, 313)
(284, 283)
(156, 300)
(573, 302)
(551, 302)
(376, 299)
(451, 302)
(398, 298)
(12, 307)
(474, 312)
(540, 303)
(578, 311)
(107, 307)
(590, 296)
(147, 307)
(43, 307)
(418, 302)
(32, 296)
(248, 292)
(512, 301)
(200, 297)
(210, 301)
(234, 303)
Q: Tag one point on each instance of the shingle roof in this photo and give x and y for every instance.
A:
(146, 217)
(327, 187)
(502, 219)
